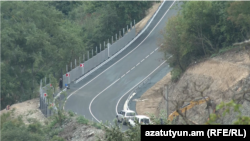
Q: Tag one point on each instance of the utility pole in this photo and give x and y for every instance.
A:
(166, 95)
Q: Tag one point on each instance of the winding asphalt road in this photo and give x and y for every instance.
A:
(97, 97)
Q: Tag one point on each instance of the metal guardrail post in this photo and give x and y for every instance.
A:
(112, 40)
(92, 53)
(88, 55)
(100, 47)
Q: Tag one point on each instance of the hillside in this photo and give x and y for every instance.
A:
(71, 129)
(224, 75)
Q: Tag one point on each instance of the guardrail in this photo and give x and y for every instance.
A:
(87, 67)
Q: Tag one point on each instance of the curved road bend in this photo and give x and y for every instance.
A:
(97, 98)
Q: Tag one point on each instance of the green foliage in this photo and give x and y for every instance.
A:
(96, 125)
(242, 120)
(202, 29)
(20, 134)
(239, 15)
(113, 133)
(5, 117)
(65, 6)
(82, 120)
(52, 123)
(226, 109)
(176, 74)
(71, 113)
(59, 114)
(54, 132)
(35, 128)
(30, 39)
(101, 20)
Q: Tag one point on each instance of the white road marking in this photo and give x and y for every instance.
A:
(118, 62)
(123, 75)
(98, 95)
(132, 68)
(142, 60)
(147, 56)
(137, 64)
(127, 72)
(123, 56)
(136, 85)
(152, 52)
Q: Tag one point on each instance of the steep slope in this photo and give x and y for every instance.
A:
(224, 75)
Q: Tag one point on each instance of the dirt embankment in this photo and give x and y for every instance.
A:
(220, 74)
(27, 109)
(150, 12)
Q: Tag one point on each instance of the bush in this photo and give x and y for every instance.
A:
(97, 125)
(82, 120)
(4, 118)
(52, 123)
(176, 74)
(12, 131)
(35, 128)
(71, 113)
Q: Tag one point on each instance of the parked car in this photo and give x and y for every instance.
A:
(124, 115)
(140, 119)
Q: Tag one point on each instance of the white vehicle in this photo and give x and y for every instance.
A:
(124, 115)
(140, 119)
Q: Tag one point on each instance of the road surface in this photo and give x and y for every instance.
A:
(96, 97)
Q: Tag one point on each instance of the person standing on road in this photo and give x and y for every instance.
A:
(60, 83)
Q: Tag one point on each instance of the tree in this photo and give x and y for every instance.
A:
(65, 6)
(239, 15)
(30, 41)
(176, 43)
